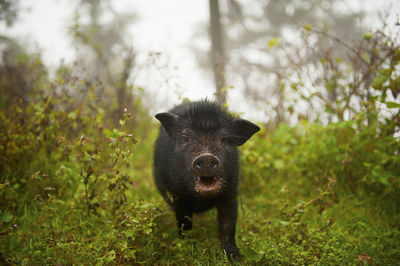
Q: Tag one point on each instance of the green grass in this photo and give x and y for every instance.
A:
(293, 209)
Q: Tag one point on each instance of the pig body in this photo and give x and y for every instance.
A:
(196, 164)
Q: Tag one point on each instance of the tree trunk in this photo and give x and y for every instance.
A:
(124, 95)
(218, 58)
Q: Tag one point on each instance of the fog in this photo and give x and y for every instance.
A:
(163, 34)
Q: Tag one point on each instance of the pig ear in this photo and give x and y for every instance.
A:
(169, 121)
(241, 130)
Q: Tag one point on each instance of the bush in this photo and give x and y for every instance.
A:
(64, 180)
(363, 161)
(315, 194)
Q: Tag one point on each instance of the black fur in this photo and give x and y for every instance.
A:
(191, 130)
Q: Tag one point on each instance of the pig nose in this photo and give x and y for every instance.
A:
(206, 164)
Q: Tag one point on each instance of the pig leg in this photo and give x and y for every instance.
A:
(227, 213)
(183, 219)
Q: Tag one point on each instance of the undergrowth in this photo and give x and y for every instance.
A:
(74, 191)
(76, 182)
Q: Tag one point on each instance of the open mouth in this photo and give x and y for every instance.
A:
(208, 184)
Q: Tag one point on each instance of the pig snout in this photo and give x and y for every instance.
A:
(206, 165)
(207, 169)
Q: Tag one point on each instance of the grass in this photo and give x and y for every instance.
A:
(284, 218)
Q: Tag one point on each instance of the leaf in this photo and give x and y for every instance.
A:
(110, 256)
(279, 164)
(378, 81)
(285, 223)
(252, 255)
(274, 41)
(395, 87)
(338, 60)
(71, 116)
(392, 105)
(366, 58)
(6, 217)
(386, 71)
(367, 36)
(307, 27)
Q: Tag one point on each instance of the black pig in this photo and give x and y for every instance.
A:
(196, 164)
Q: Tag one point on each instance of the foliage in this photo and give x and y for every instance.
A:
(63, 178)
(263, 47)
(21, 74)
(364, 81)
(362, 161)
(106, 53)
(8, 11)
(76, 183)
(77, 191)
(330, 195)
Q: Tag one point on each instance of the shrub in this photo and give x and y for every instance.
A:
(65, 179)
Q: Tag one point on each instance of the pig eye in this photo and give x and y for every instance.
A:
(185, 139)
(225, 141)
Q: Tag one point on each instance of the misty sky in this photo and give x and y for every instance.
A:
(162, 26)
